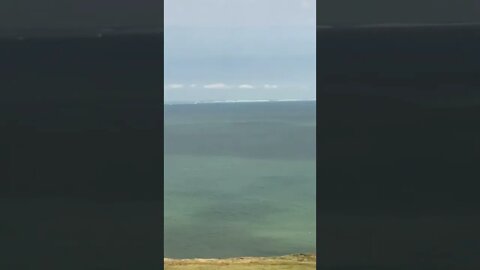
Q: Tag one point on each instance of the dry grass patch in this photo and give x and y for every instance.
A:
(288, 262)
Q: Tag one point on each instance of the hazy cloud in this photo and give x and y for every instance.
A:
(175, 86)
(216, 86)
(270, 86)
(307, 3)
(238, 13)
(246, 86)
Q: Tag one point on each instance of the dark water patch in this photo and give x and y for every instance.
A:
(214, 240)
(202, 192)
(278, 140)
(280, 185)
(238, 211)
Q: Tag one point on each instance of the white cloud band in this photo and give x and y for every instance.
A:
(246, 86)
(216, 86)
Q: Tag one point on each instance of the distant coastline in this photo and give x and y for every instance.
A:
(236, 101)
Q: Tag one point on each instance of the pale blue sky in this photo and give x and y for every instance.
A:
(239, 49)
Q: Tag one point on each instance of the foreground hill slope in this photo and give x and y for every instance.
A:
(288, 262)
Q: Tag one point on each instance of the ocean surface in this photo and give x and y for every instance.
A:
(239, 179)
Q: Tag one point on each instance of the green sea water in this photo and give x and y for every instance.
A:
(239, 179)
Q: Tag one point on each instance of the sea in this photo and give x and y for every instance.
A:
(240, 179)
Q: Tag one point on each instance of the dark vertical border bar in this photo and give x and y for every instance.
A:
(397, 147)
(81, 151)
(317, 130)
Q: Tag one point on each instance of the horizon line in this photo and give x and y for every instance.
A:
(235, 101)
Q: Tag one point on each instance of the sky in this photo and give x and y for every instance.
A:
(217, 50)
